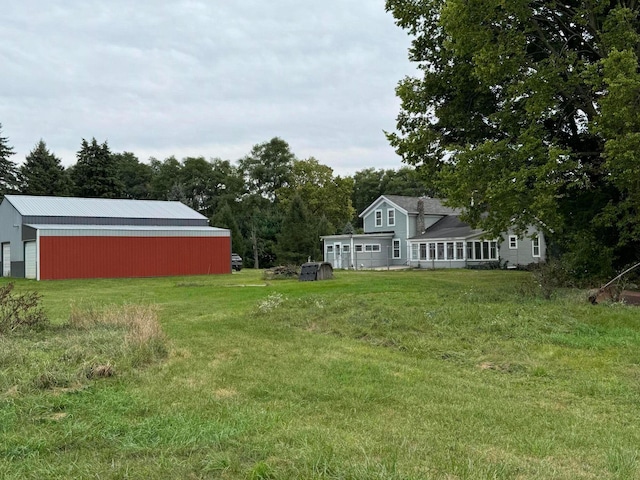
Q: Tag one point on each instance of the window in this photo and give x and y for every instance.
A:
(329, 248)
(450, 250)
(482, 250)
(358, 248)
(459, 250)
(396, 249)
(378, 218)
(432, 251)
(415, 251)
(535, 246)
(346, 248)
(391, 217)
(372, 248)
(513, 242)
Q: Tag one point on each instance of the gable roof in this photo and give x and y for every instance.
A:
(28, 205)
(432, 206)
(449, 226)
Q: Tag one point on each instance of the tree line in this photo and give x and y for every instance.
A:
(275, 204)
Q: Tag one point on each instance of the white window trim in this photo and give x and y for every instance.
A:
(393, 248)
(513, 242)
(535, 243)
(358, 248)
(375, 218)
(389, 211)
(373, 248)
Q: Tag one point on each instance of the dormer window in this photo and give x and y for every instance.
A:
(391, 217)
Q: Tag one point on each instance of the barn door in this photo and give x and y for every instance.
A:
(30, 260)
(6, 259)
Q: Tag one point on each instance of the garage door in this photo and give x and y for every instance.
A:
(6, 259)
(30, 260)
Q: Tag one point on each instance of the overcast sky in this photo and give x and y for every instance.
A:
(203, 78)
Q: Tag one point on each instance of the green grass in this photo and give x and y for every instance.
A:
(372, 375)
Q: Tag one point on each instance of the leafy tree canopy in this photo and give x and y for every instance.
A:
(134, 175)
(268, 167)
(527, 112)
(321, 191)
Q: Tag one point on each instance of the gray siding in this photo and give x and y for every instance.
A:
(523, 255)
(11, 232)
(401, 230)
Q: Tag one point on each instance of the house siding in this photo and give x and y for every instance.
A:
(523, 255)
(400, 229)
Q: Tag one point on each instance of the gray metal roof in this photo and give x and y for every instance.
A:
(448, 227)
(100, 207)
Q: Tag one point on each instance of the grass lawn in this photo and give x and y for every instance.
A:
(373, 375)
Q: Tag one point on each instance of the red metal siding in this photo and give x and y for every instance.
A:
(112, 257)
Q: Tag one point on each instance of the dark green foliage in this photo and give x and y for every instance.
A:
(8, 169)
(165, 176)
(96, 172)
(19, 311)
(298, 238)
(527, 113)
(268, 167)
(133, 175)
(42, 173)
(225, 218)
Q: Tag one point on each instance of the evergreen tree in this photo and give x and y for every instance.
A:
(134, 175)
(297, 239)
(96, 172)
(43, 174)
(8, 169)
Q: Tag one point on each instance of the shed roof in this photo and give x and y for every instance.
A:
(128, 231)
(28, 205)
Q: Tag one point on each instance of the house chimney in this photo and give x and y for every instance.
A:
(420, 224)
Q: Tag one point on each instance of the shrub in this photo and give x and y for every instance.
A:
(20, 310)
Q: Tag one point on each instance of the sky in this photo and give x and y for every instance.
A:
(203, 78)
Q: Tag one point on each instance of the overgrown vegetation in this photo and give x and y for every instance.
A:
(396, 375)
(93, 343)
(19, 310)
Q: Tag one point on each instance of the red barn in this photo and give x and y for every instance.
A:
(49, 238)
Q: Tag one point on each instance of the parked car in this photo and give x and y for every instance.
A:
(236, 262)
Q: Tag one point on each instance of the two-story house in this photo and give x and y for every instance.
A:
(421, 232)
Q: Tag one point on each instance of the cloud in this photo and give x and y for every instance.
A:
(176, 78)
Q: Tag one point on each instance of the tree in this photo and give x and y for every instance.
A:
(268, 167)
(519, 116)
(298, 237)
(42, 173)
(96, 172)
(322, 193)
(165, 176)
(8, 169)
(134, 176)
(224, 218)
(196, 177)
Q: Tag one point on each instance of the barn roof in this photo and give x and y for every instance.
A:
(39, 206)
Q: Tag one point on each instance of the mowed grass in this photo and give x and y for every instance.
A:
(372, 375)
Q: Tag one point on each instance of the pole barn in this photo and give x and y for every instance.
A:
(48, 238)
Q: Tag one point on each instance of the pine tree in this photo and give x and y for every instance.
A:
(43, 174)
(95, 174)
(8, 169)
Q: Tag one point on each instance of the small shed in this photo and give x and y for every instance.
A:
(311, 271)
(66, 237)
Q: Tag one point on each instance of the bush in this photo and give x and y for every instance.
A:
(18, 311)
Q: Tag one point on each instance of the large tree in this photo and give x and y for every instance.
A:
(42, 173)
(298, 238)
(134, 175)
(96, 172)
(268, 167)
(527, 112)
(322, 193)
(8, 169)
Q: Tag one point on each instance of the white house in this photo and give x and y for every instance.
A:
(421, 232)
